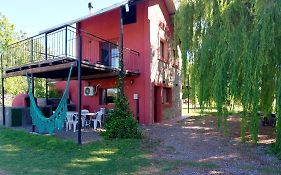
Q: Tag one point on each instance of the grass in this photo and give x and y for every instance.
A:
(208, 111)
(197, 111)
(22, 153)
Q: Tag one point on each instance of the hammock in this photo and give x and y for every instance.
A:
(57, 119)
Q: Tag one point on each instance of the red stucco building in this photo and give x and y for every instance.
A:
(153, 73)
(157, 84)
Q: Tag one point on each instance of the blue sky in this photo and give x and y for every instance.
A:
(32, 16)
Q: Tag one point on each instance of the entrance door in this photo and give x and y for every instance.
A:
(157, 104)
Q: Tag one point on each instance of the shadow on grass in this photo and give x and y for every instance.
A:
(22, 153)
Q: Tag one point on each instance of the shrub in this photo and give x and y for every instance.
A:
(54, 92)
(120, 122)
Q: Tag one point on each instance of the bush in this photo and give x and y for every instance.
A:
(120, 122)
(54, 92)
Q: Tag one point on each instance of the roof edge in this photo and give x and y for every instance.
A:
(104, 10)
(169, 4)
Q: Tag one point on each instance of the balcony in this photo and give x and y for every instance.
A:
(50, 55)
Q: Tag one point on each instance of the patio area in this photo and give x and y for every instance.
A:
(57, 55)
(88, 134)
(92, 123)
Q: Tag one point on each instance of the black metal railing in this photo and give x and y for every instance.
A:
(62, 42)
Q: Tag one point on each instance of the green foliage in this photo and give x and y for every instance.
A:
(8, 35)
(40, 87)
(120, 123)
(54, 92)
(15, 85)
(236, 47)
(277, 146)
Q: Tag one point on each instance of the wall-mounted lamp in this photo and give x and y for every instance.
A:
(132, 81)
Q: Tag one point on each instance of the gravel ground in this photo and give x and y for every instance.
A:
(198, 140)
(87, 135)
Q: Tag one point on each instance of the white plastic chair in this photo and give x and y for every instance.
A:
(102, 110)
(103, 113)
(97, 119)
(84, 113)
(75, 121)
(71, 120)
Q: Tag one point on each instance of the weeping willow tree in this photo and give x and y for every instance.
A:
(236, 45)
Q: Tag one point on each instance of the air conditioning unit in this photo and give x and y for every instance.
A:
(89, 91)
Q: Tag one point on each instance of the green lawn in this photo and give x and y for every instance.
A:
(23, 153)
(206, 111)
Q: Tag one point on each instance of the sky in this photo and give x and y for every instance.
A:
(33, 16)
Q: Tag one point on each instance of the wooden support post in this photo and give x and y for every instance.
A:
(79, 86)
(3, 92)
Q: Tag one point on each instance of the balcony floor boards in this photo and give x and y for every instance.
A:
(58, 69)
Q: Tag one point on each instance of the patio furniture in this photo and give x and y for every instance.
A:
(84, 113)
(98, 119)
(103, 113)
(71, 120)
(91, 116)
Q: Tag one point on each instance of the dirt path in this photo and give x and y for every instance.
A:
(198, 143)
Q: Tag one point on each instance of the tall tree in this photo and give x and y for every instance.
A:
(236, 47)
(8, 35)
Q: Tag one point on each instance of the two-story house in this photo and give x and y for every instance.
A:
(153, 73)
